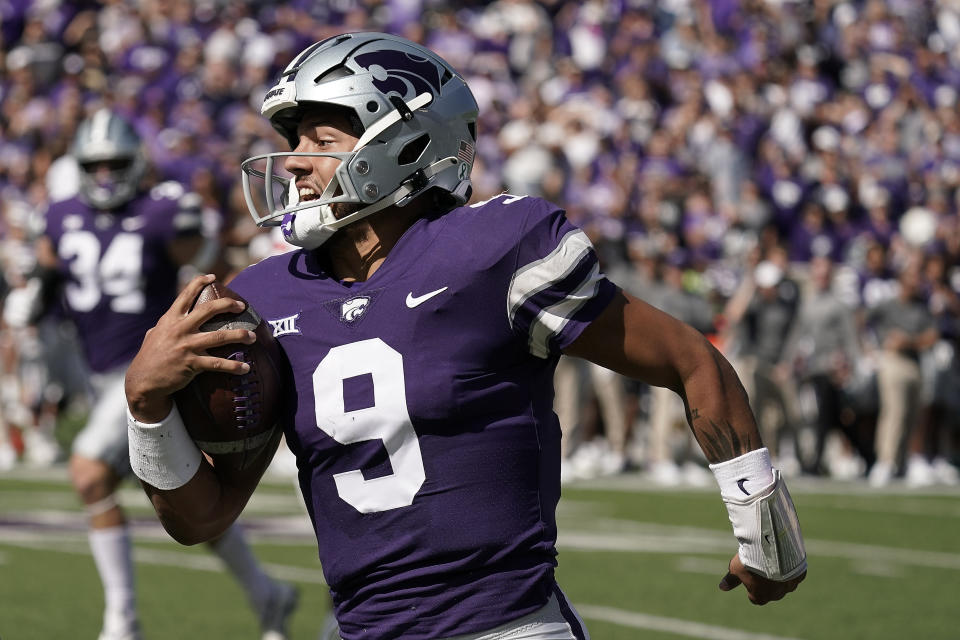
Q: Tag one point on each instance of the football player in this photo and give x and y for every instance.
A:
(422, 334)
(113, 252)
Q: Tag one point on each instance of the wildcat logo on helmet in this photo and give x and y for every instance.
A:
(403, 73)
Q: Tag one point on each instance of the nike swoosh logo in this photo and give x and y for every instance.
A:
(418, 300)
(740, 484)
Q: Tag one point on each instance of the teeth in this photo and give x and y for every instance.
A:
(306, 191)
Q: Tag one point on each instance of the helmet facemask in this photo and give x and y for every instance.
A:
(110, 188)
(111, 160)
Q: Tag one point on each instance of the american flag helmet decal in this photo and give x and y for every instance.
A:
(466, 152)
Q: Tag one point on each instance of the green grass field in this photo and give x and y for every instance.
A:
(638, 562)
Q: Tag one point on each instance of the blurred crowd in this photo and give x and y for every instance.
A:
(782, 175)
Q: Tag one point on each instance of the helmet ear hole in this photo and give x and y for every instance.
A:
(412, 151)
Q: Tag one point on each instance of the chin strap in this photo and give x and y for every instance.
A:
(307, 227)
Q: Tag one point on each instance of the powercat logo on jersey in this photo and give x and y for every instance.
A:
(352, 309)
(285, 326)
(403, 73)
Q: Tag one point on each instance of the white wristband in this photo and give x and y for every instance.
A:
(163, 454)
(745, 475)
(763, 516)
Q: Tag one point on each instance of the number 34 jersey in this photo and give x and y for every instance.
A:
(421, 413)
(118, 276)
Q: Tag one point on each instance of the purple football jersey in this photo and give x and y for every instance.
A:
(118, 276)
(423, 420)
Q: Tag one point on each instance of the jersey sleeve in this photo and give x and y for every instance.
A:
(557, 288)
(172, 212)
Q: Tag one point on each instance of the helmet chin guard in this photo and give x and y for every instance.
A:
(418, 120)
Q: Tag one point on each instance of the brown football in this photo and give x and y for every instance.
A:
(234, 418)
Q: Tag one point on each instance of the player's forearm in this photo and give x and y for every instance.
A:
(771, 554)
(193, 499)
(717, 407)
(200, 510)
(639, 341)
(148, 407)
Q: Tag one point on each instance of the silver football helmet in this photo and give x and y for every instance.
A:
(111, 159)
(418, 122)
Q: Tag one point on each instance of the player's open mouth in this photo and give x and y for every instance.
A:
(307, 194)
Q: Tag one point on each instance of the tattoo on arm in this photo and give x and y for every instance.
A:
(720, 440)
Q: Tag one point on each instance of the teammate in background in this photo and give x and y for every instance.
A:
(422, 336)
(114, 250)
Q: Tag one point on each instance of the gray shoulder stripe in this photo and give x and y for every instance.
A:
(551, 321)
(533, 278)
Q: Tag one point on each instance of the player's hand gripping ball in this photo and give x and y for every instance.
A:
(232, 418)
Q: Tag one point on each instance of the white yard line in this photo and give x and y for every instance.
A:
(261, 502)
(639, 483)
(628, 482)
(49, 528)
(195, 561)
(614, 534)
(700, 565)
(683, 542)
(677, 626)
(632, 536)
(59, 473)
(936, 509)
(53, 525)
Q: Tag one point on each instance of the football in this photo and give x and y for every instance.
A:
(234, 418)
